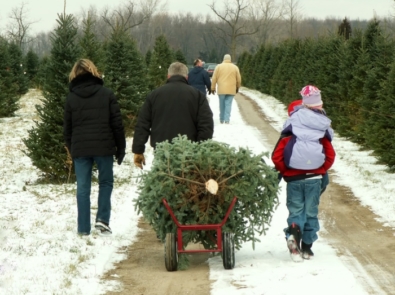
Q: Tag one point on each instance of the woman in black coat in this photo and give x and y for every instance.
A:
(94, 133)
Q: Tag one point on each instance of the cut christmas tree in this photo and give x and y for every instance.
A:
(184, 173)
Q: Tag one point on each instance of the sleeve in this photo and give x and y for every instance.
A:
(238, 78)
(67, 125)
(207, 80)
(214, 78)
(278, 155)
(142, 130)
(205, 122)
(329, 153)
(116, 123)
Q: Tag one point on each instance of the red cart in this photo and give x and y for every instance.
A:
(225, 241)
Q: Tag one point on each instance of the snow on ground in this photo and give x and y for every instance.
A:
(42, 254)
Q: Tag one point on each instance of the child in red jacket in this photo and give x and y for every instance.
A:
(304, 184)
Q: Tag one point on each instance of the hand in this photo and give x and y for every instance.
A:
(209, 91)
(139, 160)
(237, 89)
(120, 154)
(212, 91)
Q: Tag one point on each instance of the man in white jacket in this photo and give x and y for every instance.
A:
(227, 77)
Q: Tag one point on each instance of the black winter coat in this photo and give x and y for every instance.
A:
(92, 123)
(172, 109)
(198, 78)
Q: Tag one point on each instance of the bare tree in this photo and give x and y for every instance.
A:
(235, 15)
(292, 15)
(18, 28)
(267, 12)
(131, 15)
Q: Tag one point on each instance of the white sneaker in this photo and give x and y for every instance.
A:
(104, 229)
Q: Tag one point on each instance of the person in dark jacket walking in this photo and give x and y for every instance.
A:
(172, 109)
(94, 133)
(198, 77)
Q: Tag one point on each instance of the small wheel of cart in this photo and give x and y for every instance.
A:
(228, 250)
(174, 244)
(171, 255)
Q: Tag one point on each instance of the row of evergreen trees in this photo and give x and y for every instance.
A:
(17, 73)
(125, 70)
(356, 77)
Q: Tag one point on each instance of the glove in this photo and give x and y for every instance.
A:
(120, 154)
(139, 160)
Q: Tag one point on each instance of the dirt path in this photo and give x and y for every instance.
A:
(351, 229)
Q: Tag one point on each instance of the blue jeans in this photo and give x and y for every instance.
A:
(83, 171)
(225, 107)
(303, 198)
(324, 182)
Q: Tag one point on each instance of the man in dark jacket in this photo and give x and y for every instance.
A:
(198, 77)
(94, 133)
(172, 109)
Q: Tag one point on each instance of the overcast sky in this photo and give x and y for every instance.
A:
(45, 11)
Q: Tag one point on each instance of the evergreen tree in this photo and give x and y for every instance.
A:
(148, 56)
(264, 84)
(359, 74)
(18, 69)
(385, 120)
(272, 65)
(90, 46)
(180, 172)
(125, 74)
(282, 79)
(241, 61)
(32, 63)
(344, 29)
(370, 103)
(179, 56)
(327, 67)
(161, 59)
(8, 88)
(42, 72)
(365, 63)
(257, 70)
(349, 52)
(246, 70)
(45, 144)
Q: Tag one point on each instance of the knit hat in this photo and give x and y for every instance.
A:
(227, 57)
(292, 106)
(311, 96)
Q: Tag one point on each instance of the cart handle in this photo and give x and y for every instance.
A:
(232, 204)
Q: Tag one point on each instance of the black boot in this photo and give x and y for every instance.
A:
(307, 253)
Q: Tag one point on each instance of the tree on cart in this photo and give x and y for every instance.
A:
(182, 172)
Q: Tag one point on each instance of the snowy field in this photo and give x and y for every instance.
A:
(42, 254)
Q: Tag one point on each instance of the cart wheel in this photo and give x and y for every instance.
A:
(228, 250)
(171, 256)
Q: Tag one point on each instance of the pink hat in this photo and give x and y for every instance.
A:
(311, 96)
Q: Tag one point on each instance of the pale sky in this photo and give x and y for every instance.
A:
(45, 11)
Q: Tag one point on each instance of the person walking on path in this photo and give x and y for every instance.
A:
(293, 107)
(227, 77)
(303, 158)
(94, 133)
(173, 109)
(198, 77)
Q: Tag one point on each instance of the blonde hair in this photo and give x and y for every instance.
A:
(83, 66)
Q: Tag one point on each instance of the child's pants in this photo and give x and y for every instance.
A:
(303, 198)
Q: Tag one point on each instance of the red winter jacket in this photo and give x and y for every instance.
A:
(290, 174)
